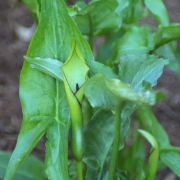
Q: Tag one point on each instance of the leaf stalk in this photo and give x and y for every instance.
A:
(116, 143)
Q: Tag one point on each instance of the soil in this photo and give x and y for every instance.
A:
(12, 49)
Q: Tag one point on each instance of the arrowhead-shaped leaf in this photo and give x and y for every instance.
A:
(41, 94)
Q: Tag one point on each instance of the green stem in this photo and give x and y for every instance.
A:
(77, 133)
(79, 169)
(116, 142)
(87, 111)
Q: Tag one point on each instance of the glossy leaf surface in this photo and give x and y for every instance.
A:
(41, 94)
(108, 93)
(98, 140)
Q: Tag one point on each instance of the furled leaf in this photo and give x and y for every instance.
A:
(98, 140)
(159, 11)
(32, 168)
(154, 155)
(166, 34)
(171, 158)
(75, 69)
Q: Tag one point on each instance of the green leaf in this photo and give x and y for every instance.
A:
(151, 124)
(32, 168)
(134, 38)
(57, 143)
(98, 140)
(49, 66)
(132, 159)
(149, 71)
(80, 16)
(154, 156)
(135, 11)
(57, 151)
(172, 54)
(169, 155)
(166, 34)
(171, 158)
(149, 138)
(108, 93)
(107, 9)
(51, 41)
(99, 68)
(135, 64)
(29, 136)
(130, 51)
(98, 10)
(104, 52)
(159, 11)
(40, 94)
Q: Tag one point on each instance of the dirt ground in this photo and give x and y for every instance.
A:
(12, 50)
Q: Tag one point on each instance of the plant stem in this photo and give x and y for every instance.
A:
(116, 142)
(79, 169)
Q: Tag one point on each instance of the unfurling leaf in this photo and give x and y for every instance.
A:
(154, 155)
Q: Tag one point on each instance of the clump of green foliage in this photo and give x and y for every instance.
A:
(67, 91)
